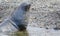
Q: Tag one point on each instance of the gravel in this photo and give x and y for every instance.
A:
(42, 14)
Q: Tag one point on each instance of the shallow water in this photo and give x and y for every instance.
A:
(35, 31)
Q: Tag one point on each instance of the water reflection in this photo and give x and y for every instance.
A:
(20, 33)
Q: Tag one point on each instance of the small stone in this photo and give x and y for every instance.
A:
(46, 28)
(56, 28)
(0, 21)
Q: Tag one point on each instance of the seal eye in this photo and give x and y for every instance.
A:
(27, 7)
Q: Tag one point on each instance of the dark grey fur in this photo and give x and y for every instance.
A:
(18, 17)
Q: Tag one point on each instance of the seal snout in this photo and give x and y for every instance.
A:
(27, 7)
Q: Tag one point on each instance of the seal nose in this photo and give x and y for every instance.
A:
(27, 7)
